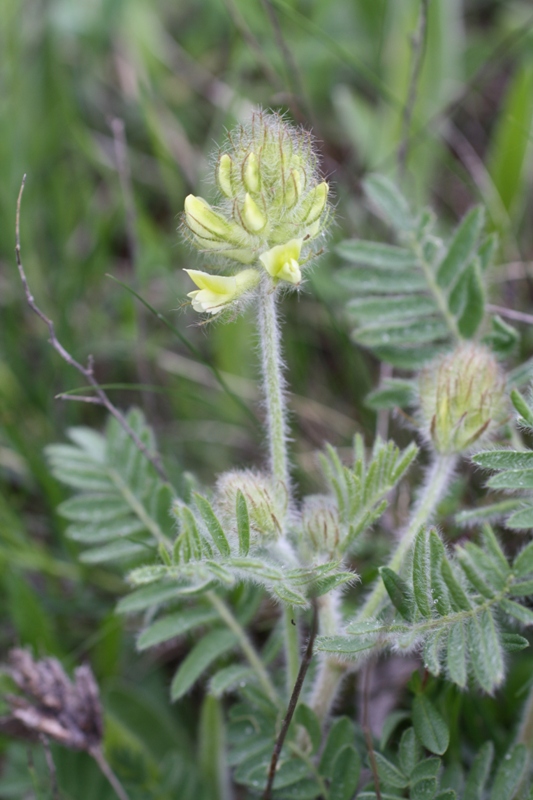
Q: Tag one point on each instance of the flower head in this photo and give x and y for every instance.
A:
(264, 500)
(273, 202)
(462, 397)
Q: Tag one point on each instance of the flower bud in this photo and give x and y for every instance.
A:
(224, 169)
(321, 524)
(252, 217)
(314, 203)
(251, 176)
(265, 509)
(462, 397)
(293, 188)
(216, 292)
(281, 262)
(206, 223)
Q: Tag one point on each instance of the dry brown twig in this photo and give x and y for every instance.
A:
(101, 397)
(293, 702)
(51, 706)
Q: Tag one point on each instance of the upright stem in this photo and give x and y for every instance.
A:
(437, 482)
(331, 670)
(273, 382)
(292, 647)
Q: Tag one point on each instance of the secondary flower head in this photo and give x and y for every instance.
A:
(462, 397)
(273, 203)
(266, 504)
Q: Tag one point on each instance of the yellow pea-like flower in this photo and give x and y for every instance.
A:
(281, 262)
(216, 292)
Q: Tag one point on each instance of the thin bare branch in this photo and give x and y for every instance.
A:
(51, 767)
(518, 316)
(419, 50)
(87, 371)
(108, 773)
(293, 702)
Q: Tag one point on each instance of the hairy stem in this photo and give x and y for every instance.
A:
(272, 365)
(437, 482)
(292, 647)
(246, 646)
(332, 671)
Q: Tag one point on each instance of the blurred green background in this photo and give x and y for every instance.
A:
(177, 74)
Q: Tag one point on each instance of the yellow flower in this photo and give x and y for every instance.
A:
(281, 262)
(216, 292)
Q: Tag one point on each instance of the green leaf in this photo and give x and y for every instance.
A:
(173, 625)
(513, 642)
(213, 525)
(422, 574)
(236, 675)
(479, 773)
(523, 563)
(461, 248)
(345, 774)
(243, 524)
(341, 734)
(519, 612)
(512, 479)
(432, 650)
(389, 773)
(492, 546)
(503, 338)
(344, 645)
(509, 773)
(430, 726)
(148, 596)
(428, 768)
(306, 717)
(94, 507)
(389, 202)
(504, 459)
(393, 307)
(485, 651)
(489, 513)
(456, 654)
(424, 789)
(372, 280)
(401, 332)
(393, 393)
(521, 519)
(399, 592)
(112, 552)
(306, 789)
(474, 304)
(409, 752)
(204, 653)
(522, 407)
(376, 254)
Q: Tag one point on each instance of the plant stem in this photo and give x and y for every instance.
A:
(525, 736)
(246, 646)
(292, 647)
(332, 670)
(273, 384)
(437, 482)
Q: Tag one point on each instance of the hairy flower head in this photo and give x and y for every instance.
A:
(462, 397)
(273, 203)
(265, 508)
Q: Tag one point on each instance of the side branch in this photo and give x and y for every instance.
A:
(101, 397)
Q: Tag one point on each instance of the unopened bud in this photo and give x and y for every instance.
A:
(293, 188)
(264, 508)
(224, 169)
(320, 523)
(314, 203)
(251, 176)
(462, 397)
(253, 218)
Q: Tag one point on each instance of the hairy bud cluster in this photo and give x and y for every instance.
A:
(273, 205)
(320, 524)
(265, 507)
(462, 397)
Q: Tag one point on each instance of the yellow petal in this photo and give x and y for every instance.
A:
(281, 261)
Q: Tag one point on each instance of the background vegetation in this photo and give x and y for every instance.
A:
(178, 74)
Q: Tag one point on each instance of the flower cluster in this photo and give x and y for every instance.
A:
(462, 397)
(273, 205)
